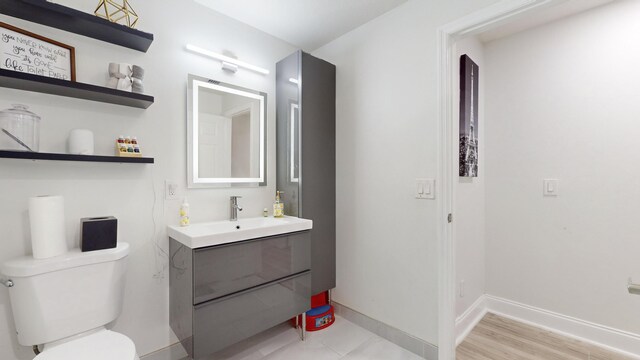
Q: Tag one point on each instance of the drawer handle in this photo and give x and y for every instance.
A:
(257, 287)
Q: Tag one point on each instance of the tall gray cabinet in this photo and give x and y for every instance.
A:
(306, 155)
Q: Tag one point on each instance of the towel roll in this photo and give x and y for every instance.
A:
(48, 233)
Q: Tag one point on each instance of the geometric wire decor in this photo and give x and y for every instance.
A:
(114, 12)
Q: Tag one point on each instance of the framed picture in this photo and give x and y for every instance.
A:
(26, 52)
(469, 72)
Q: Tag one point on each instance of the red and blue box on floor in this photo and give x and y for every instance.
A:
(320, 317)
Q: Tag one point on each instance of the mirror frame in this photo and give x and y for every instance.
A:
(194, 181)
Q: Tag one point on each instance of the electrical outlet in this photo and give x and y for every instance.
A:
(461, 289)
(171, 190)
(550, 187)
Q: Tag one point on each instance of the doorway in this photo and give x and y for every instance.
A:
(564, 245)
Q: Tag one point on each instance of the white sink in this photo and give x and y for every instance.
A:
(225, 232)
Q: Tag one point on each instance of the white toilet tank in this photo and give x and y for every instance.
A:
(64, 296)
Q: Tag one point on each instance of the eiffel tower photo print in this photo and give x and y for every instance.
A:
(469, 72)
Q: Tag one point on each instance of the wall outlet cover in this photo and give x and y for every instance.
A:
(171, 190)
(550, 187)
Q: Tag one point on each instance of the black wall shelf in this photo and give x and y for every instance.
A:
(78, 22)
(66, 157)
(29, 82)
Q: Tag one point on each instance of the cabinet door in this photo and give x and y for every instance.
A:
(223, 322)
(222, 270)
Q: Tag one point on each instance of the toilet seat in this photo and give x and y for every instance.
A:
(102, 345)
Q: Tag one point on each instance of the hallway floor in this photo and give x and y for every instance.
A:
(343, 340)
(499, 338)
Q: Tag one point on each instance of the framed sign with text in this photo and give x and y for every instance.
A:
(26, 52)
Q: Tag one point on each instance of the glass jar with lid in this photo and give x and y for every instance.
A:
(19, 129)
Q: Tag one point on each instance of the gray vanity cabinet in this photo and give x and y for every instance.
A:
(223, 294)
(306, 154)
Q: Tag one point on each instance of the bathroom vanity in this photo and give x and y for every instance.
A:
(230, 280)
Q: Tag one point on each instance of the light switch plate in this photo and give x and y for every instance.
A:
(425, 189)
(550, 187)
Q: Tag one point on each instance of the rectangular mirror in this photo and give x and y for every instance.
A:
(226, 134)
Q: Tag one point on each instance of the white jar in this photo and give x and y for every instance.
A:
(80, 142)
(19, 129)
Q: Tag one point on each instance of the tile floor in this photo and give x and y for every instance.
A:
(342, 340)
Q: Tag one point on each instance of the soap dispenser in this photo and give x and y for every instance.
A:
(278, 206)
(184, 213)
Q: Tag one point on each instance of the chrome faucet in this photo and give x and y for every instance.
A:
(234, 208)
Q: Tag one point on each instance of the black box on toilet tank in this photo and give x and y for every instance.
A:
(98, 233)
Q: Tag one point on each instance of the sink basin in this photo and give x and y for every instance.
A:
(225, 232)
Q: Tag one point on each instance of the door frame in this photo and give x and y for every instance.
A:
(502, 12)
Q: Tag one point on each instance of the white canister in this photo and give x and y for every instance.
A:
(19, 129)
(80, 142)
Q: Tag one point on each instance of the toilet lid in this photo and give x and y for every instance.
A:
(103, 345)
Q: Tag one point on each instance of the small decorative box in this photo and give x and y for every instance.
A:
(98, 233)
(128, 147)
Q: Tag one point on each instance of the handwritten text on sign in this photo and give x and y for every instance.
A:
(22, 53)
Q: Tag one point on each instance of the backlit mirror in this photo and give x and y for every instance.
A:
(226, 134)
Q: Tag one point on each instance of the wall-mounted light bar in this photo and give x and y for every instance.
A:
(294, 81)
(227, 59)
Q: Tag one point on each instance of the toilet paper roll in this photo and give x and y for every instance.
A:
(80, 142)
(48, 234)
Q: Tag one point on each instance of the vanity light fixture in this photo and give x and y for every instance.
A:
(227, 62)
(229, 67)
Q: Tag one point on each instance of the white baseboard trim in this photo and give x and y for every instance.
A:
(609, 338)
(470, 318)
(411, 343)
(172, 352)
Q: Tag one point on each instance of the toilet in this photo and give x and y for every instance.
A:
(65, 302)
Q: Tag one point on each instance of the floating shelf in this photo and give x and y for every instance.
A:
(66, 157)
(46, 85)
(78, 22)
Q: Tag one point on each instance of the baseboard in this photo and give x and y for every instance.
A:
(398, 337)
(609, 338)
(612, 339)
(172, 352)
(470, 318)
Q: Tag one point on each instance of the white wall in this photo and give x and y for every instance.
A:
(562, 102)
(469, 202)
(386, 138)
(133, 193)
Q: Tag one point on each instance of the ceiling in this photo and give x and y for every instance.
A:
(540, 17)
(307, 24)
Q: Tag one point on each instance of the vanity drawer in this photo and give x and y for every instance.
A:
(223, 322)
(222, 270)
